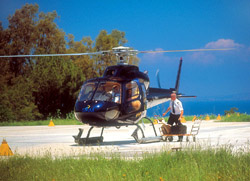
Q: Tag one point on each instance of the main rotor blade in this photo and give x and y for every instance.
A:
(191, 50)
(117, 52)
(54, 55)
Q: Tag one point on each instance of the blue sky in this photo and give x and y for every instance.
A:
(164, 25)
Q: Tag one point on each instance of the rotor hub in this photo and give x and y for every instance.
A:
(123, 53)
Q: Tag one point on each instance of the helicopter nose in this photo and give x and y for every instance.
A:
(96, 111)
(112, 113)
(96, 107)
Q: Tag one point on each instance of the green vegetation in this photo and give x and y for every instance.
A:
(42, 122)
(69, 120)
(231, 111)
(36, 88)
(236, 117)
(56, 120)
(190, 118)
(219, 164)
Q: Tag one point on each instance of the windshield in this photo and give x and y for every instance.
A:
(87, 91)
(108, 91)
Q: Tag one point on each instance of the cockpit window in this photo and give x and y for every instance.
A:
(87, 91)
(108, 91)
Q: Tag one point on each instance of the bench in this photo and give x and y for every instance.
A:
(194, 131)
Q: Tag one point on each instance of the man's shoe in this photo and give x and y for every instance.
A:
(179, 140)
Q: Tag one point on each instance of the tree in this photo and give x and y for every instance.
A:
(85, 63)
(27, 33)
(56, 84)
(17, 101)
(231, 111)
(48, 37)
(31, 88)
(5, 73)
(21, 37)
(4, 39)
(119, 37)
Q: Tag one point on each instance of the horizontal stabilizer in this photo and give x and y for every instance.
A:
(183, 96)
(158, 93)
(158, 96)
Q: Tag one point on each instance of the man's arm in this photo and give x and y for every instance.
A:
(181, 115)
(181, 109)
(166, 111)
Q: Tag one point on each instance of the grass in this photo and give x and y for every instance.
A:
(236, 118)
(190, 118)
(42, 122)
(210, 164)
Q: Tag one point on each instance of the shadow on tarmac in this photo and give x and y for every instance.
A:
(109, 143)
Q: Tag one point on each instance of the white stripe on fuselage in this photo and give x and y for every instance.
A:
(156, 102)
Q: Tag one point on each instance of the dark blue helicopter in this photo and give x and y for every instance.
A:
(121, 97)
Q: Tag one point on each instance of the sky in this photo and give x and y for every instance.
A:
(168, 25)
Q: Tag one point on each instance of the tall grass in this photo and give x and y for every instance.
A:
(217, 164)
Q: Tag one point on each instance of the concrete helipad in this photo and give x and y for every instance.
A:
(58, 141)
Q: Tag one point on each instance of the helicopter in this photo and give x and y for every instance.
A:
(121, 96)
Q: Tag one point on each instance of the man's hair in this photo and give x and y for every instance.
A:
(115, 86)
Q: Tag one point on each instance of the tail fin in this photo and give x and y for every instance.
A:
(178, 77)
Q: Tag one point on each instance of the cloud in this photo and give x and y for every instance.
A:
(203, 57)
(223, 43)
(240, 52)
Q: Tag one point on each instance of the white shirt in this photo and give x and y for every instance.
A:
(115, 97)
(177, 106)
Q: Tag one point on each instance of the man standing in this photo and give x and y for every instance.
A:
(176, 114)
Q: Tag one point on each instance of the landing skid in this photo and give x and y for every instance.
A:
(88, 140)
(139, 138)
(143, 139)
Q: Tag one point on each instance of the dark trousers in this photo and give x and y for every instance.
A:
(175, 119)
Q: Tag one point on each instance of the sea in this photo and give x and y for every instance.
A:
(204, 107)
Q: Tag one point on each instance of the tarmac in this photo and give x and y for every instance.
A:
(58, 141)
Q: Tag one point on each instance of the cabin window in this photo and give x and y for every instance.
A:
(144, 93)
(132, 91)
(132, 94)
(135, 105)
